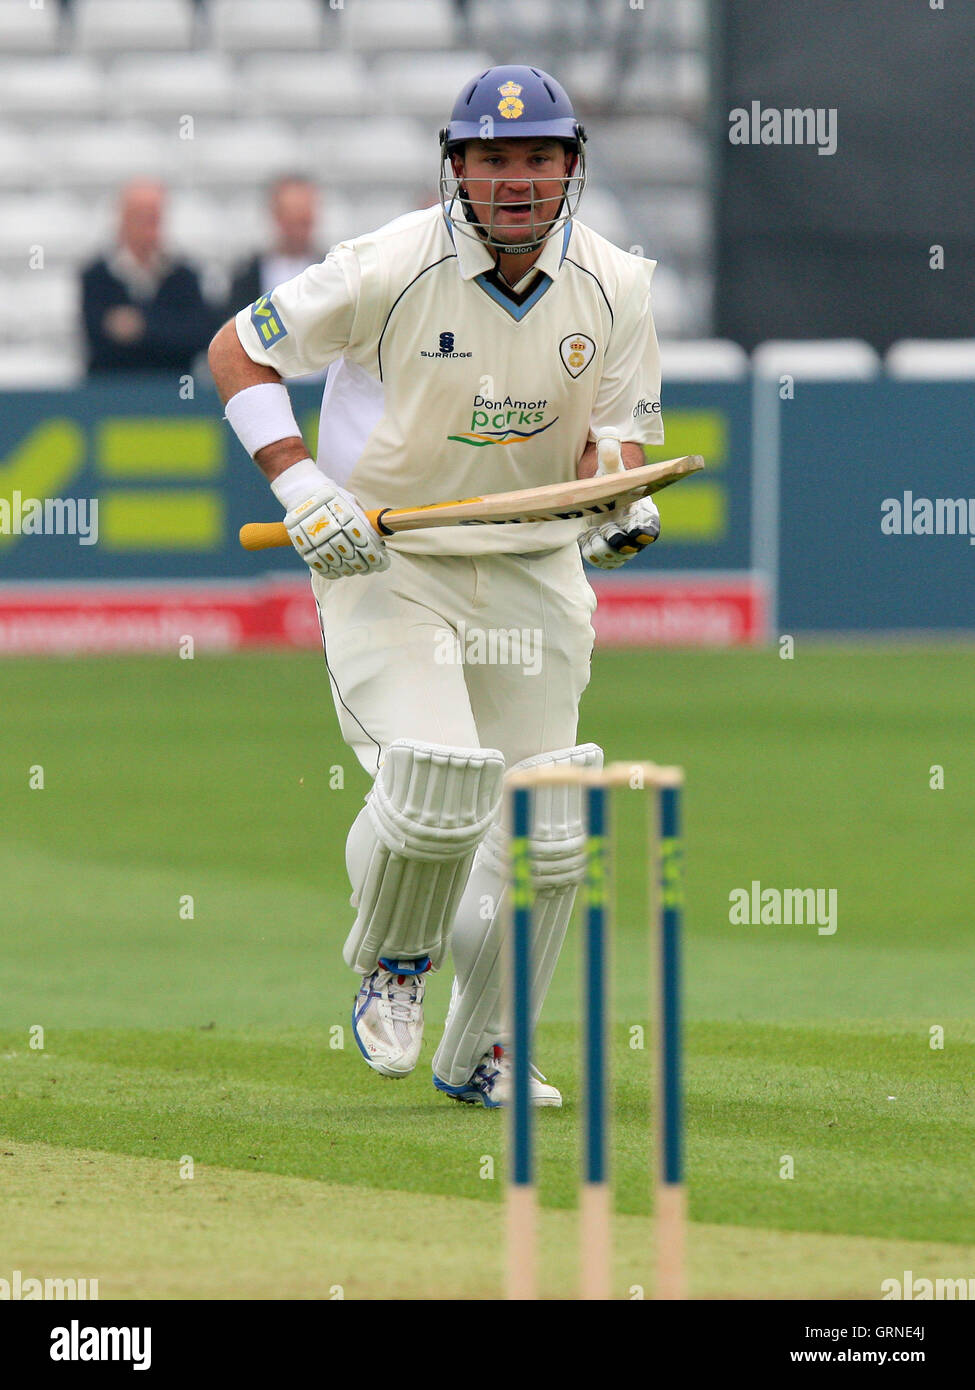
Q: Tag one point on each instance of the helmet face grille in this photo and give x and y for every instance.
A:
(459, 212)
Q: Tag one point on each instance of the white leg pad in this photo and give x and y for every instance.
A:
(557, 853)
(410, 850)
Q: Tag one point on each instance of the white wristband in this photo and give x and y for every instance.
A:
(261, 415)
(297, 483)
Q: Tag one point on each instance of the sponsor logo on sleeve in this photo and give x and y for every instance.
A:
(644, 408)
(267, 321)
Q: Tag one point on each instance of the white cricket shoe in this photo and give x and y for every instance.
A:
(387, 1016)
(493, 1083)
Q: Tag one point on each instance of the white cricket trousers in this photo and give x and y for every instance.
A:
(487, 651)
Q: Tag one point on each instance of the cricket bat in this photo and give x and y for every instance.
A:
(555, 502)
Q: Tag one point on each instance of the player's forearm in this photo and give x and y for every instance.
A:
(633, 457)
(233, 371)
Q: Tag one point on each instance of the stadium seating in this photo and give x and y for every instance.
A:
(217, 97)
(836, 359)
(397, 25)
(951, 359)
(60, 224)
(707, 359)
(415, 85)
(61, 85)
(190, 83)
(26, 29)
(248, 26)
(305, 84)
(121, 26)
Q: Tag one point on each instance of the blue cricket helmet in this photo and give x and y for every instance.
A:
(512, 101)
(517, 101)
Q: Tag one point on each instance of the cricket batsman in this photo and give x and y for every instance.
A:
(489, 343)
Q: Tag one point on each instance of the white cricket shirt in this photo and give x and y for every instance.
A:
(449, 383)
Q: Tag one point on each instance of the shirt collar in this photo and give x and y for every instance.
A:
(474, 258)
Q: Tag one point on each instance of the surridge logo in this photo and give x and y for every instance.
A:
(505, 421)
(446, 348)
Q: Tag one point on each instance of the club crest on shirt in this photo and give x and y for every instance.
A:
(576, 351)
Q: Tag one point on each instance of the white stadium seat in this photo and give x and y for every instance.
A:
(661, 81)
(201, 227)
(650, 149)
(832, 359)
(673, 222)
(602, 210)
(62, 226)
(241, 153)
(126, 26)
(306, 84)
(61, 86)
(384, 26)
(43, 303)
(18, 161)
(106, 154)
(396, 152)
(425, 86)
(40, 368)
(918, 359)
(242, 26)
(26, 29)
(703, 359)
(344, 218)
(520, 22)
(191, 84)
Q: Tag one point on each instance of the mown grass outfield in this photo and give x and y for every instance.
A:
(215, 1037)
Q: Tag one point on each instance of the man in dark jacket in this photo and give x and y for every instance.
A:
(143, 311)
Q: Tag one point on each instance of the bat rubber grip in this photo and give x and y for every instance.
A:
(264, 535)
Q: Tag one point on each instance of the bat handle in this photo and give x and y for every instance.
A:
(375, 519)
(264, 535)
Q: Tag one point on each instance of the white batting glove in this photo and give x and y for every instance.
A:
(631, 529)
(328, 528)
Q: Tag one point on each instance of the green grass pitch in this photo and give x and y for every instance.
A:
(222, 1039)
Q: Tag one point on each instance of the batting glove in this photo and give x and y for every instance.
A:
(328, 528)
(611, 543)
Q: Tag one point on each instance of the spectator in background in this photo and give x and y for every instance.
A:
(143, 311)
(294, 212)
